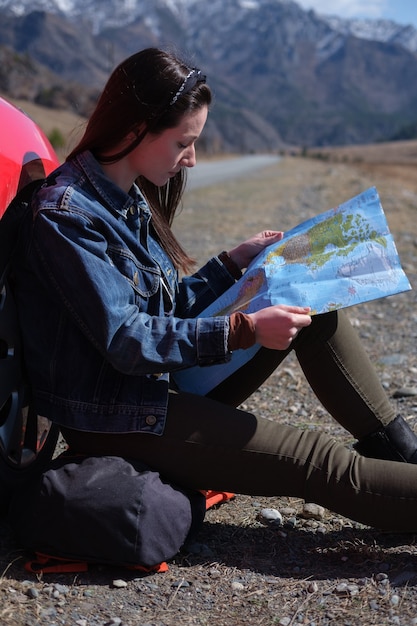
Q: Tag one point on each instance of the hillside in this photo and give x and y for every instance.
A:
(281, 75)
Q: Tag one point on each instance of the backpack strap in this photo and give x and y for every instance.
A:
(216, 497)
(46, 564)
(11, 222)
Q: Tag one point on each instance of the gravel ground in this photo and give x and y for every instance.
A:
(316, 568)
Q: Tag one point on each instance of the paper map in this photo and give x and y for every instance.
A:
(337, 259)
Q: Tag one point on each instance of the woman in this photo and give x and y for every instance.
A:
(106, 320)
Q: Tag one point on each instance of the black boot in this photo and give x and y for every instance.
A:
(395, 442)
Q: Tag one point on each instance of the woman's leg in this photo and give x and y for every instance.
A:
(209, 445)
(337, 368)
(344, 380)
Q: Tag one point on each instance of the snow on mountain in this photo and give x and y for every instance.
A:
(386, 31)
(109, 13)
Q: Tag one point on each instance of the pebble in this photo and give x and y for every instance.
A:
(119, 583)
(405, 392)
(180, 584)
(291, 522)
(313, 511)
(270, 516)
(288, 511)
(393, 359)
(214, 573)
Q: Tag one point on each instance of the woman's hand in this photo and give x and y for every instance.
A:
(243, 254)
(276, 326)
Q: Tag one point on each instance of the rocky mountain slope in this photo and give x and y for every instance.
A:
(281, 75)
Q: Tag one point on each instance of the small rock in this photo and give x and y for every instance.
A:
(214, 573)
(395, 600)
(313, 511)
(312, 587)
(119, 583)
(393, 359)
(33, 593)
(288, 511)
(291, 522)
(405, 392)
(270, 516)
(237, 586)
(342, 589)
(180, 584)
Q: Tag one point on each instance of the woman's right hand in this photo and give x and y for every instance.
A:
(276, 326)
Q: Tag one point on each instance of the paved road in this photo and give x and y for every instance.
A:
(208, 173)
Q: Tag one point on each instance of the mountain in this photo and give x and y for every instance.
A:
(385, 31)
(280, 75)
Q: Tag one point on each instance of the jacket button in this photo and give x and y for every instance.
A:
(133, 210)
(150, 420)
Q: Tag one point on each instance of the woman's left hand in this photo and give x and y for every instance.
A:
(243, 254)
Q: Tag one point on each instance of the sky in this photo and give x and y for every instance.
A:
(401, 11)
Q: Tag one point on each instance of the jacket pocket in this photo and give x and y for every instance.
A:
(143, 278)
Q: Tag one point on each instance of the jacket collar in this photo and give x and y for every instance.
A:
(111, 194)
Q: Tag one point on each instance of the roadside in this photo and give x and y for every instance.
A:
(217, 171)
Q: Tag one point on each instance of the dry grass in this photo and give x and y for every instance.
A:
(294, 189)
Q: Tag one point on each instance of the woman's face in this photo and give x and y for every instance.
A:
(159, 157)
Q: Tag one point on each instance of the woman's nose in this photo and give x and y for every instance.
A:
(189, 158)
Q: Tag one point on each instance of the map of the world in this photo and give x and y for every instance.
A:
(337, 259)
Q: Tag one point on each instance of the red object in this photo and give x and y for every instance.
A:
(25, 152)
(217, 497)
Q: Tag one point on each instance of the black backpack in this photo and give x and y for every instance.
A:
(74, 510)
(103, 509)
(27, 441)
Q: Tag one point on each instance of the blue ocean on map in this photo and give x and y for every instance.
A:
(340, 258)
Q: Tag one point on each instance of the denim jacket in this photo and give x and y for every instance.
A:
(104, 317)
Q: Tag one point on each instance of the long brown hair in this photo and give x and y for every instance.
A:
(150, 89)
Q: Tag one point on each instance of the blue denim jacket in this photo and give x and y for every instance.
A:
(103, 315)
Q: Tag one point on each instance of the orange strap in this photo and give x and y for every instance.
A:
(46, 564)
(216, 497)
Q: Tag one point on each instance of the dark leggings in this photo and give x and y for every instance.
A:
(210, 444)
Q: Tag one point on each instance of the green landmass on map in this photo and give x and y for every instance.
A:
(341, 231)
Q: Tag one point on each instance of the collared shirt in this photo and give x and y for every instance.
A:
(103, 314)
